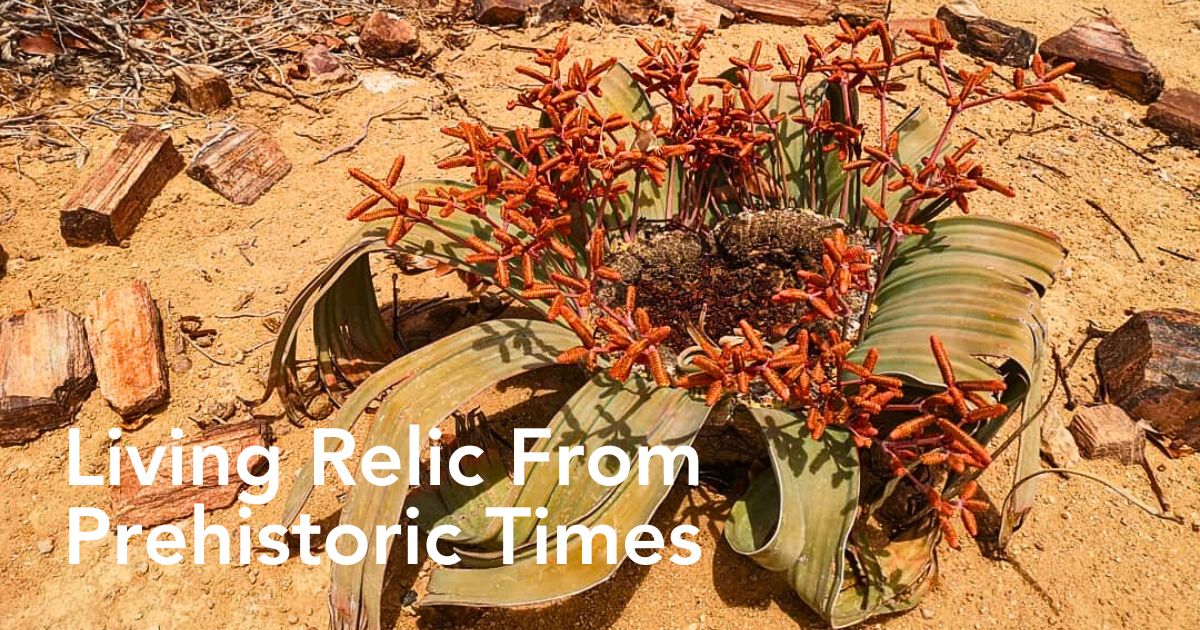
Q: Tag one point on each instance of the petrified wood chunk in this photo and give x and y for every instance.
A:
(241, 166)
(1103, 52)
(202, 88)
(107, 205)
(811, 12)
(692, 14)
(1107, 431)
(515, 12)
(981, 36)
(1150, 366)
(161, 502)
(45, 372)
(124, 331)
(631, 11)
(1177, 114)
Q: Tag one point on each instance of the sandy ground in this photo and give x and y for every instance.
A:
(1085, 559)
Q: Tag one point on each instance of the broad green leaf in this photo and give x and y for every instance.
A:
(799, 519)
(351, 338)
(425, 387)
(975, 283)
(593, 417)
(348, 329)
(509, 344)
(655, 416)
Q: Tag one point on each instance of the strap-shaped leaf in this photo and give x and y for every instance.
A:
(597, 415)
(349, 332)
(351, 338)
(426, 386)
(799, 519)
(654, 416)
(975, 283)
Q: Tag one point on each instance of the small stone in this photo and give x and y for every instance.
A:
(320, 407)
(385, 36)
(142, 568)
(1058, 445)
(293, 619)
(223, 408)
(320, 66)
(46, 545)
(927, 613)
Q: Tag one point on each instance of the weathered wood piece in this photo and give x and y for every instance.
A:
(385, 36)
(981, 36)
(45, 372)
(692, 14)
(1106, 431)
(124, 329)
(811, 12)
(1103, 52)
(241, 166)
(1150, 366)
(1177, 114)
(161, 502)
(106, 206)
(202, 88)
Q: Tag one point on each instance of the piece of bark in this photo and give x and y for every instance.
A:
(161, 502)
(1106, 431)
(124, 329)
(1150, 366)
(692, 14)
(981, 36)
(1103, 52)
(107, 205)
(811, 12)
(241, 166)
(1177, 114)
(202, 88)
(1058, 446)
(45, 372)
(386, 36)
(318, 65)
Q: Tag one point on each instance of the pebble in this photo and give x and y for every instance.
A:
(927, 613)
(293, 619)
(142, 568)
(46, 545)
